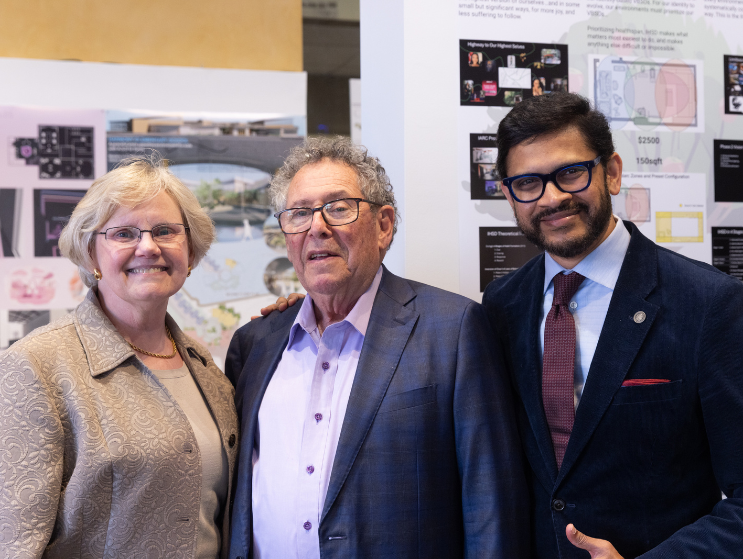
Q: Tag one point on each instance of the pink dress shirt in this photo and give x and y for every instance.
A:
(299, 424)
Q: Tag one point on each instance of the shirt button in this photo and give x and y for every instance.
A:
(318, 417)
(573, 305)
(310, 469)
(307, 525)
(326, 365)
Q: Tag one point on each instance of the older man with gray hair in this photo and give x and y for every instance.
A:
(376, 418)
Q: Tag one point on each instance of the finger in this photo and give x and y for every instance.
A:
(265, 311)
(599, 549)
(255, 316)
(293, 298)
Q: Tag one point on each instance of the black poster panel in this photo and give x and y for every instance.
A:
(502, 74)
(502, 250)
(727, 250)
(728, 162)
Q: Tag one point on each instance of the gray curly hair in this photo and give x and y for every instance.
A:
(373, 180)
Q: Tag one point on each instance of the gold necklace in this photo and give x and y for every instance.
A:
(158, 355)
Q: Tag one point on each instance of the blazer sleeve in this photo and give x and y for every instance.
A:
(234, 362)
(31, 457)
(720, 381)
(494, 494)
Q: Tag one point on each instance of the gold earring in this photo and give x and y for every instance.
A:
(188, 275)
(97, 274)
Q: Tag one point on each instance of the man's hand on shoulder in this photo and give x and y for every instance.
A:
(599, 549)
(281, 304)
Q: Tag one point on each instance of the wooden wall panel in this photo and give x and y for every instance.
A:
(245, 34)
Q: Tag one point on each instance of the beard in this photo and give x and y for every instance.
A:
(597, 219)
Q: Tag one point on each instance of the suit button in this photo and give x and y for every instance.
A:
(232, 440)
(558, 505)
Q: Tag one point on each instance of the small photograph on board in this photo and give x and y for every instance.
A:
(485, 183)
(475, 59)
(551, 57)
(52, 211)
(60, 152)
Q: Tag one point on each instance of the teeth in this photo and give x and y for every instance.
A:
(319, 255)
(146, 270)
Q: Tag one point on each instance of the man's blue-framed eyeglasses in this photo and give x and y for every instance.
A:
(570, 178)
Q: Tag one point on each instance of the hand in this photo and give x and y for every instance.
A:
(280, 305)
(599, 549)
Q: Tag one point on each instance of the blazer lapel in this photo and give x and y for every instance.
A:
(524, 314)
(390, 326)
(620, 341)
(264, 357)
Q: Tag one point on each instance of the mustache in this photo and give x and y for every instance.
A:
(567, 205)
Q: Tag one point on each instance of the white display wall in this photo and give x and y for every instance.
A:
(666, 72)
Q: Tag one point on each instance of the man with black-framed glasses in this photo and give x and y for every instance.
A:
(376, 416)
(627, 358)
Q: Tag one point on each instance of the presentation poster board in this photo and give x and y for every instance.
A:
(53, 156)
(666, 74)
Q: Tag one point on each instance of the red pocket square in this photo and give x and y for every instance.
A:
(645, 381)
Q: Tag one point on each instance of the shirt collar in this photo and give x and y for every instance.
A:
(358, 317)
(96, 331)
(602, 265)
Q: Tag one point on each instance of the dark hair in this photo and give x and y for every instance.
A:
(554, 112)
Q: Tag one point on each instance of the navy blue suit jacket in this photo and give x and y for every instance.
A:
(645, 464)
(428, 462)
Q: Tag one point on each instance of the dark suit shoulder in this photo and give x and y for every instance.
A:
(693, 270)
(266, 324)
(245, 337)
(428, 294)
(425, 299)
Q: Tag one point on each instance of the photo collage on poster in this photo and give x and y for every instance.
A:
(485, 181)
(49, 165)
(502, 74)
(52, 157)
(733, 84)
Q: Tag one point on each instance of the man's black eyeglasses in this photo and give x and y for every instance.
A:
(570, 178)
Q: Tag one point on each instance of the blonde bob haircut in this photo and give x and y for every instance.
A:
(135, 180)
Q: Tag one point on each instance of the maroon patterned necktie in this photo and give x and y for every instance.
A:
(558, 363)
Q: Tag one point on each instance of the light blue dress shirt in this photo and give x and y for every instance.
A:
(591, 302)
(299, 426)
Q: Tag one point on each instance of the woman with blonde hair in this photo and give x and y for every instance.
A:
(117, 431)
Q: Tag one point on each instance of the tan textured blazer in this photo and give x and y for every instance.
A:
(96, 458)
